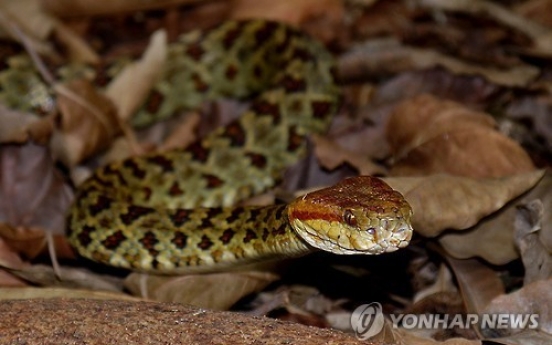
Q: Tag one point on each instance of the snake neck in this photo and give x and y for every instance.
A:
(193, 241)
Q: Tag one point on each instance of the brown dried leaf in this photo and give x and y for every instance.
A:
(429, 135)
(85, 8)
(388, 56)
(542, 36)
(184, 134)
(8, 257)
(531, 299)
(473, 91)
(444, 202)
(478, 283)
(537, 109)
(524, 338)
(443, 284)
(296, 299)
(493, 238)
(331, 155)
(213, 291)
(290, 11)
(408, 337)
(32, 193)
(536, 259)
(26, 241)
(19, 127)
(33, 200)
(88, 122)
(43, 275)
(139, 77)
(77, 48)
(27, 19)
(8, 280)
(539, 11)
(7, 293)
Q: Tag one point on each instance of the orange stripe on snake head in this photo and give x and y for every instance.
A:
(365, 194)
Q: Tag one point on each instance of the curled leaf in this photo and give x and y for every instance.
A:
(493, 237)
(429, 136)
(443, 202)
(88, 122)
(139, 77)
(331, 155)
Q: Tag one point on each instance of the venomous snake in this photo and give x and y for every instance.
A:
(172, 213)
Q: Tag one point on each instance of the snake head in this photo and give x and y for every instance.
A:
(359, 215)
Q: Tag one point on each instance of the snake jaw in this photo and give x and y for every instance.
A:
(362, 215)
(337, 238)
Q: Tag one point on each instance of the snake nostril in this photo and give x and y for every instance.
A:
(371, 231)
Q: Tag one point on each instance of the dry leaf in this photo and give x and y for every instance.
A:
(537, 109)
(32, 194)
(524, 338)
(478, 283)
(84, 8)
(26, 241)
(33, 200)
(290, 11)
(7, 293)
(423, 118)
(428, 136)
(443, 202)
(26, 20)
(539, 11)
(331, 155)
(443, 283)
(296, 299)
(388, 56)
(88, 122)
(43, 275)
(398, 335)
(531, 299)
(536, 259)
(8, 280)
(19, 127)
(474, 91)
(8, 257)
(184, 134)
(493, 238)
(139, 77)
(542, 36)
(406, 337)
(77, 48)
(213, 291)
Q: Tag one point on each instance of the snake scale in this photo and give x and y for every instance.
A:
(173, 213)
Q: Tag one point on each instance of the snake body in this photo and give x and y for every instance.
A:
(172, 212)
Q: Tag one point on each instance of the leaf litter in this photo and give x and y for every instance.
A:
(436, 117)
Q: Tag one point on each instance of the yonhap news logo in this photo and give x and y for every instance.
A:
(368, 320)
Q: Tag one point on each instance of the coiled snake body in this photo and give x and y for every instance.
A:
(172, 212)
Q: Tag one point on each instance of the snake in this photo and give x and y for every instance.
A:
(178, 211)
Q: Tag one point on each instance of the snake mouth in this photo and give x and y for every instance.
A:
(335, 237)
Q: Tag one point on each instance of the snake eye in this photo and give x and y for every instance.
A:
(349, 218)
